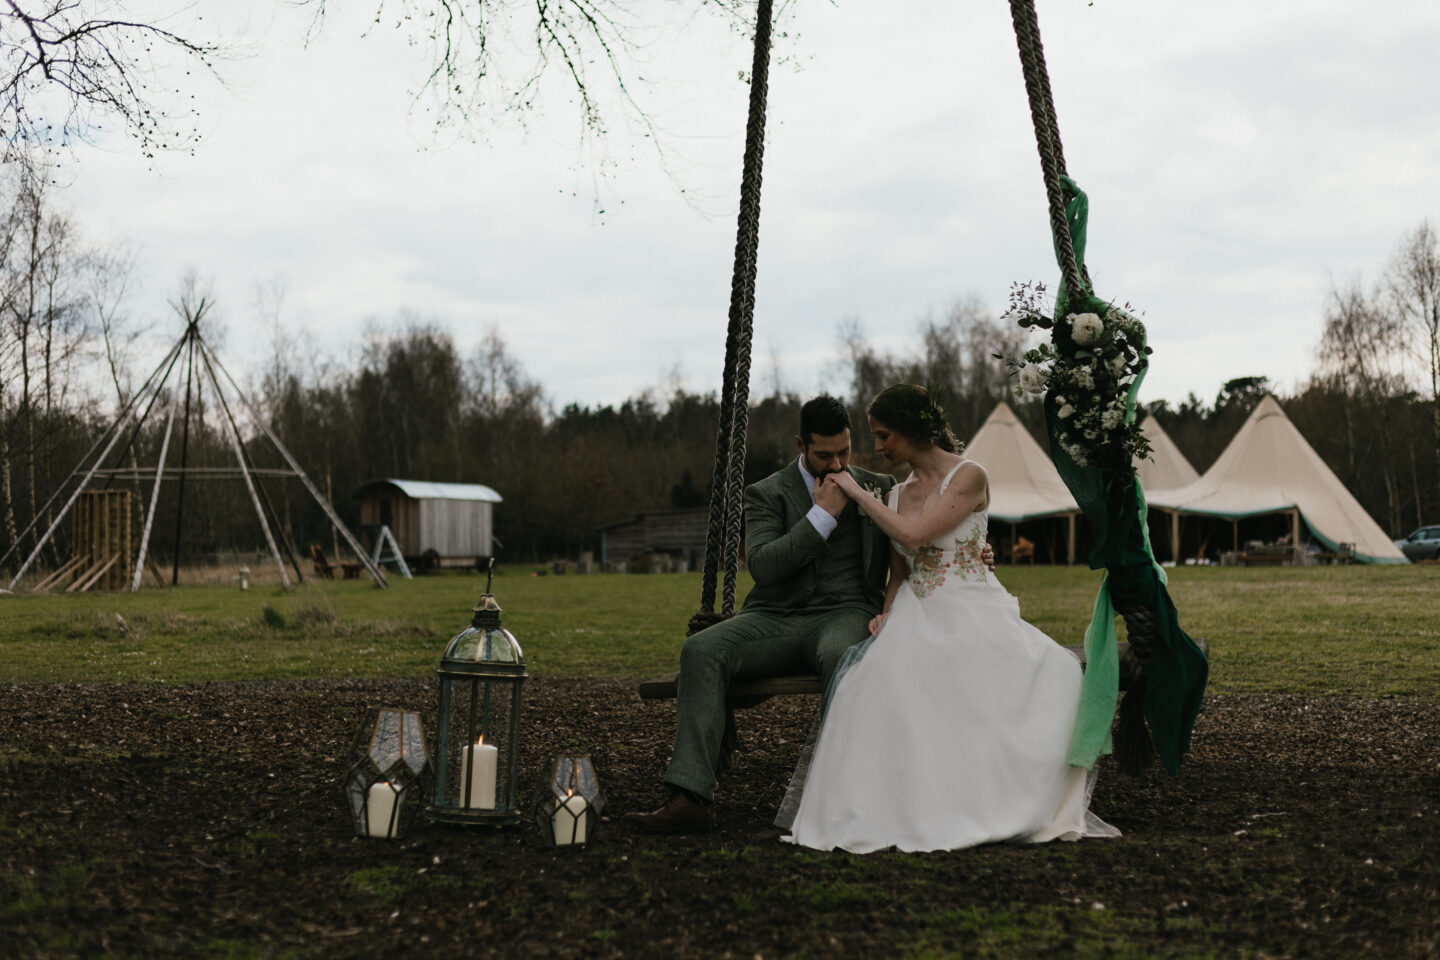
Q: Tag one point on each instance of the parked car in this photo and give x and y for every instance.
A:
(1423, 544)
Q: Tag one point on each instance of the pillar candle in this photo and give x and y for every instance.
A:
(569, 822)
(382, 809)
(481, 762)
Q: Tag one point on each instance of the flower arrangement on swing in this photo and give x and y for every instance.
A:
(1090, 369)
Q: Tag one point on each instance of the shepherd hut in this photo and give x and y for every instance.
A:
(441, 523)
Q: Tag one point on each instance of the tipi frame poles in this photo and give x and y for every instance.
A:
(154, 502)
(234, 435)
(247, 466)
(360, 554)
(190, 334)
(134, 402)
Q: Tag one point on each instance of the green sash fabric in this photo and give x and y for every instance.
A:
(1114, 504)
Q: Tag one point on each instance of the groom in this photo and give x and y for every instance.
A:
(819, 567)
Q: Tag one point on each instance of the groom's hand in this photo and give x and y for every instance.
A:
(987, 557)
(829, 496)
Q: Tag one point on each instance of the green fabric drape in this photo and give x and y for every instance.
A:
(1114, 503)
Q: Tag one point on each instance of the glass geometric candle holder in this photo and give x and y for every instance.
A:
(568, 802)
(389, 775)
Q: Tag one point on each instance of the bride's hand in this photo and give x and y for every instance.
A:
(845, 482)
(876, 622)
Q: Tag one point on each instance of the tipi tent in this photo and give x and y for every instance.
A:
(190, 362)
(1024, 484)
(1166, 468)
(1269, 468)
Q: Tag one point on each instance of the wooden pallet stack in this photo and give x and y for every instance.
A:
(103, 548)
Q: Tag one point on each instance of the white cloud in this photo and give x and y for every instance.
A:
(1236, 156)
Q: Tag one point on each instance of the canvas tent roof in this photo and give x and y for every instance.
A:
(1024, 484)
(1167, 468)
(1268, 468)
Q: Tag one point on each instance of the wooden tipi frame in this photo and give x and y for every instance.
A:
(200, 364)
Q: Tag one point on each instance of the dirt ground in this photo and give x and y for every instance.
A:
(168, 820)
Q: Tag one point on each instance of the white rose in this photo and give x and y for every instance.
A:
(1087, 329)
(1065, 411)
(1033, 379)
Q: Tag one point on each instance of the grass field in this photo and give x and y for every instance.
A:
(1368, 631)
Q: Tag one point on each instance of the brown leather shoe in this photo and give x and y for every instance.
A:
(679, 814)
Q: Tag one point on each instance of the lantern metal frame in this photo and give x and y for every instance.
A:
(483, 662)
(388, 747)
(563, 779)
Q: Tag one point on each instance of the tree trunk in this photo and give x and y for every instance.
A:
(7, 490)
(1415, 482)
(26, 321)
(1434, 332)
(1392, 500)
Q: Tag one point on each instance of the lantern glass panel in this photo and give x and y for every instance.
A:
(484, 645)
(477, 743)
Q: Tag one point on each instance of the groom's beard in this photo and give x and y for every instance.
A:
(821, 472)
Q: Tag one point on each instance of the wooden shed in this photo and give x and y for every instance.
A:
(675, 533)
(444, 521)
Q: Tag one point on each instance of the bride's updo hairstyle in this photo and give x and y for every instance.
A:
(908, 409)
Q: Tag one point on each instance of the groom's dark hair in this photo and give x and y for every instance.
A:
(824, 415)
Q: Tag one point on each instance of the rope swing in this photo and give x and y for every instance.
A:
(725, 532)
(1172, 669)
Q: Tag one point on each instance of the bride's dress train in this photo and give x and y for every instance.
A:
(952, 727)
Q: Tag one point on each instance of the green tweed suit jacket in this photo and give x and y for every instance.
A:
(783, 549)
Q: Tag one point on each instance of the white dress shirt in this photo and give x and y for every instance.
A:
(818, 516)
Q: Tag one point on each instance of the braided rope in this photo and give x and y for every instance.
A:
(1133, 747)
(742, 299)
(727, 509)
(715, 531)
(1047, 134)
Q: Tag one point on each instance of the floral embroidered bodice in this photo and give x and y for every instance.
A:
(953, 557)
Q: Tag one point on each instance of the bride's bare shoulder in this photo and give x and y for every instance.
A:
(969, 477)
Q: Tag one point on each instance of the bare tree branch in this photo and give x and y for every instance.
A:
(476, 79)
(68, 66)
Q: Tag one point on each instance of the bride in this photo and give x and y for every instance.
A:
(950, 726)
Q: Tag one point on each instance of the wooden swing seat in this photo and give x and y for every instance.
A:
(749, 693)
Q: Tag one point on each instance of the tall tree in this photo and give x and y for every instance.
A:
(1356, 352)
(1413, 280)
(956, 358)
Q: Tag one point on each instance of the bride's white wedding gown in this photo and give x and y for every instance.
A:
(952, 727)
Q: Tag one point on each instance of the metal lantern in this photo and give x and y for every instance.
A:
(568, 801)
(389, 773)
(477, 746)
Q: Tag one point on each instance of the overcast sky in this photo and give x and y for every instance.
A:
(1238, 155)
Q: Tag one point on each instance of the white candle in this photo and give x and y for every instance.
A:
(382, 809)
(569, 822)
(481, 762)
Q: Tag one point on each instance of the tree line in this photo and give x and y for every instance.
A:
(410, 404)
